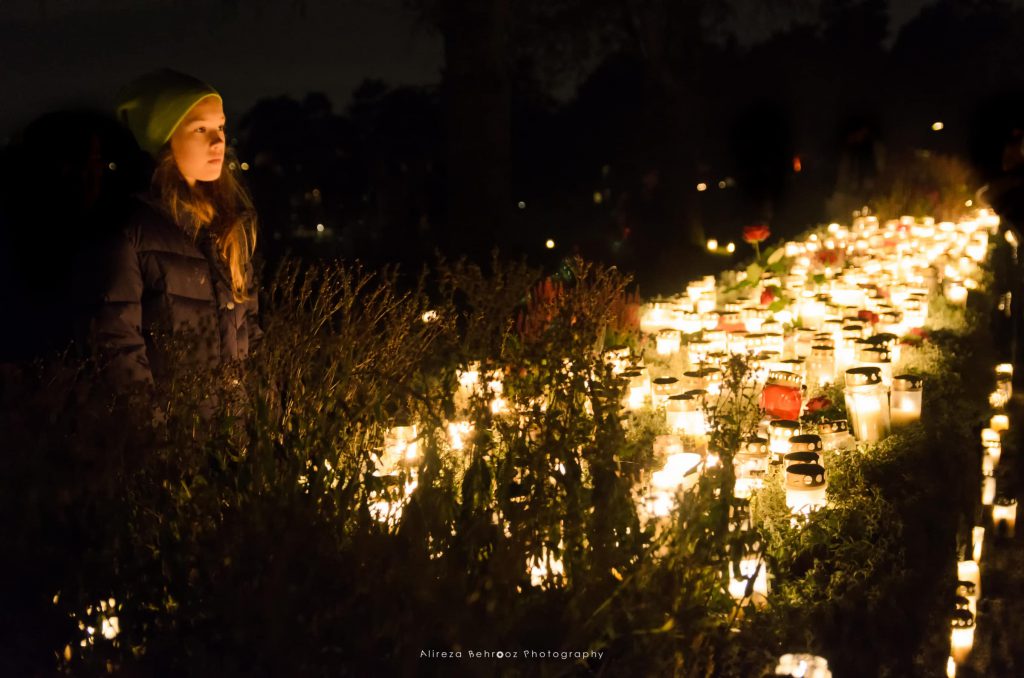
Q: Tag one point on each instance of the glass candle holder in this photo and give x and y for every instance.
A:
(867, 403)
(1004, 516)
(746, 570)
(806, 488)
(835, 435)
(905, 403)
(803, 666)
(962, 635)
(821, 367)
(988, 490)
(780, 431)
(871, 355)
(992, 445)
(781, 396)
(668, 342)
(751, 464)
(684, 413)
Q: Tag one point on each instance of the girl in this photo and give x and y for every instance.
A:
(181, 264)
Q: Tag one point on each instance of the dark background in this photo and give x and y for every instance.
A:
(389, 131)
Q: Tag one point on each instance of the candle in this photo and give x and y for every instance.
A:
(962, 636)
(749, 569)
(679, 471)
(988, 490)
(835, 435)
(999, 422)
(781, 396)
(684, 413)
(867, 403)
(805, 488)
(977, 542)
(906, 399)
(750, 464)
(803, 666)
(779, 433)
(458, 432)
(668, 342)
(1004, 516)
(968, 571)
(956, 293)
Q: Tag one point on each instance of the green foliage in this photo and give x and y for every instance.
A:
(241, 532)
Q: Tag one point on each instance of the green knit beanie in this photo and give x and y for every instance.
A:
(153, 105)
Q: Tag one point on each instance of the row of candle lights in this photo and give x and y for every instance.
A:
(839, 323)
(1003, 519)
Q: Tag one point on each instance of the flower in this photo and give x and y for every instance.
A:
(756, 233)
(818, 403)
(767, 296)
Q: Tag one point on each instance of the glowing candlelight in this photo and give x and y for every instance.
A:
(867, 403)
(1004, 516)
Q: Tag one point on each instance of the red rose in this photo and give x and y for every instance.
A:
(815, 404)
(756, 233)
(767, 297)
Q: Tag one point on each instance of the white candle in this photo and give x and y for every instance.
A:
(1004, 515)
(749, 568)
(988, 490)
(867, 403)
(999, 422)
(905, 404)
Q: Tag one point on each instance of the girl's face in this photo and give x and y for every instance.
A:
(198, 142)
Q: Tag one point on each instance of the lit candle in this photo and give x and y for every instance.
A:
(781, 396)
(1004, 516)
(805, 488)
(803, 666)
(906, 399)
(749, 569)
(779, 433)
(835, 435)
(962, 636)
(751, 464)
(977, 542)
(999, 422)
(668, 342)
(968, 571)
(867, 403)
(988, 490)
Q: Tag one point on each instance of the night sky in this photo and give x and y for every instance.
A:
(82, 51)
(65, 52)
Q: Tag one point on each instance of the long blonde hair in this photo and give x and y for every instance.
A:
(224, 206)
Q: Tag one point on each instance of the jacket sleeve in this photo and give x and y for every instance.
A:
(109, 310)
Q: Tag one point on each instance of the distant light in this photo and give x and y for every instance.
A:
(937, 126)
(245, 167)
(319, 228)
(112, 166)
(1011, 238)
(722, 184)
(598, 197)
(712, 245)
(522, 205)
(797, 165)
(232, 165)
(969, 203)
(549, 243)
(702, 186)
(730, 248)
(429, 316)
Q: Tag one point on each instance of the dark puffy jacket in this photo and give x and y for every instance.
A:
(150, 279)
